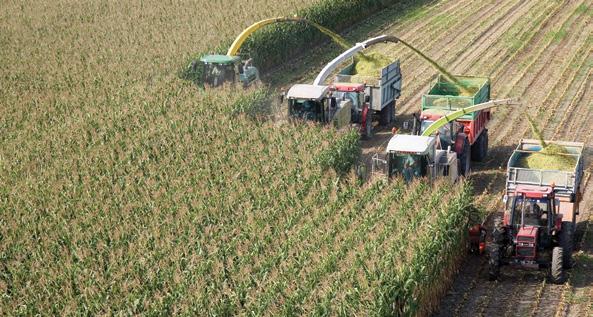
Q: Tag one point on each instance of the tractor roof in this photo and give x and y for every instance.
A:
(410, 144)
(348, 87)
(304, 91)
(219, 59)
(534, 191)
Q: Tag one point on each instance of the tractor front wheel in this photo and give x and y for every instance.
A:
(494, 262)
(557, 271)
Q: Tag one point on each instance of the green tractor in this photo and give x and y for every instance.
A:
(219, 69)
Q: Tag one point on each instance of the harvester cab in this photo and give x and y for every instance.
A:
(532, 226)
(414, 156)
(316, 103)
(220, 69)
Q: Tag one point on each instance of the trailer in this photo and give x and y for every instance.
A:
(566, 183)
(381, 90)
(541, 205)
(370, 95)
(468, 134)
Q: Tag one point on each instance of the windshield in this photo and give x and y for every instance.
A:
(408, 165)
(529, 212)
(217, 74)
(352, 96)
(306, 109)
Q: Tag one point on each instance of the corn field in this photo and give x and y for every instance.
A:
(125, 190)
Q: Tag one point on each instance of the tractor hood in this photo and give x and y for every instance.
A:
(527, 232)
(526, 247)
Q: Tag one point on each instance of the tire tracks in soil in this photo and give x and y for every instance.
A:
(493, 29)
(538, 77)
(539, 300)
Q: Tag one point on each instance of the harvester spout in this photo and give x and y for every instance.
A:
(331, 66)
(234, 49)
(461, 112)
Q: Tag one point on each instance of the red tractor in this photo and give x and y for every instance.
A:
(360, 111)
(533, 234)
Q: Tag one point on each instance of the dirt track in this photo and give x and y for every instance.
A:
(540, 51)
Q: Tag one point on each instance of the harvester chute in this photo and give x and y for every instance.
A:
(236, 46)
(435, 126)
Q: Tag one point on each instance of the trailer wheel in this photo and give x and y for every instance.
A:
(392, 115)
(566, 243)
(484, 144)
(386, 115)
(477, 148)
(557, 272)
(480, 147)
(494, 262)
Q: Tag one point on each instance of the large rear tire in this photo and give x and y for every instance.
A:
(485, 144)
(557, 271)
(494, 262)
(464, 159)
(498, 233)
(566, 243)
(480, 147)
(477, 148)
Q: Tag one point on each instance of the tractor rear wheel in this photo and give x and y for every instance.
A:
(498, 233)
(566, 242)
(557, 272)
(464, 159)
(494, 262)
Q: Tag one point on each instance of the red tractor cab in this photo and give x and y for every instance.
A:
(360, 112)
(532, 234)
(468, 134)
(454, 134)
